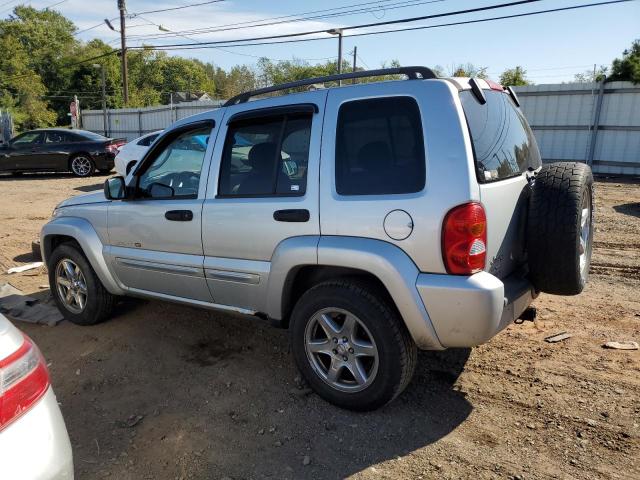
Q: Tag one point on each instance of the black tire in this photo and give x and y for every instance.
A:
(36, 253)
(99, 302)
(555, 226)
(82, 172)
(397, 353)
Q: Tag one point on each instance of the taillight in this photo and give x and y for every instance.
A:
(114, 147)
(464, 239)
(24, 379)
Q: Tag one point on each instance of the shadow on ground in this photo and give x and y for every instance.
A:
(90, 188)
(632, 209)
(218, 397)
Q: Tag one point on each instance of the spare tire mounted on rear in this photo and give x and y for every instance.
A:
(560, 228)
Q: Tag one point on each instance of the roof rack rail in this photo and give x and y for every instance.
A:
(414, 73)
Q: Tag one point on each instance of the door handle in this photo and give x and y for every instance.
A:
(179, 215)
(292, 215)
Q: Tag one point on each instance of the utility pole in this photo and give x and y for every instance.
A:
(355, 54)
(338, 32)
(123, 51)
(104, 97)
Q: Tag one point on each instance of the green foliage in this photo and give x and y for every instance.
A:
(590, 76)
(627, 67)
(469, 70)
(514, 77)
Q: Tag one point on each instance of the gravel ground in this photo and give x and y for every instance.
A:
(170, 392)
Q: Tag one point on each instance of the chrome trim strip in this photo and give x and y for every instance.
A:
(136, 292)
(229, 276)
(161, 267)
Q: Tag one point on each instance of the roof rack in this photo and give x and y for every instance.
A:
(413, 73)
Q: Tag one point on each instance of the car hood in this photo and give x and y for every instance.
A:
(84, 199)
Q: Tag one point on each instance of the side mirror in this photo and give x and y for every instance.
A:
(114, 188)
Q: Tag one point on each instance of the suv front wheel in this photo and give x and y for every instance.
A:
(77, 290)
(351, 345)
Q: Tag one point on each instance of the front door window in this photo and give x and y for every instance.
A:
(175, 171)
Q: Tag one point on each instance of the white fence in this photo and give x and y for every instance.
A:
(131, 123)
(586, 122)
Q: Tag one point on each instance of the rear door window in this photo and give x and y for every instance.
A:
(57, 137)
(379, 147)
(266, 156)
(503, 143)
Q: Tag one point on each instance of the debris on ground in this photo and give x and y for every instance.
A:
(130, 422)
(24, 268)
(14, 304)
(626, 345)
(558, 337)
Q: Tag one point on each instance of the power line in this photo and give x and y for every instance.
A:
(249, 22)
(258, 41)
(300, 18)
(54, 5)
(367, 25)
(135, 14)
(226, 51)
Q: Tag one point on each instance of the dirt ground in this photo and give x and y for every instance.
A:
(170, 392)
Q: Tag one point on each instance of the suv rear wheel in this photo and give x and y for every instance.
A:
(76, 288)
(351, 345)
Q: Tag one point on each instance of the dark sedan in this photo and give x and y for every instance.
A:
(59, 149)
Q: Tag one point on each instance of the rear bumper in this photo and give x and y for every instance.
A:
(36, 446)
(468, 311)
(104, 160)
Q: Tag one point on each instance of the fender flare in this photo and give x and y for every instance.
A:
(82, 232)
(385, 261)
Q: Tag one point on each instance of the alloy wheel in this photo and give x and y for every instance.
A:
(81, 166)
(341, 350)
(71, 286)
(585, 234)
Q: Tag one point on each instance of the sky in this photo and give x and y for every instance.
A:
(551, 47)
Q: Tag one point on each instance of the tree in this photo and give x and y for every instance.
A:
(514, 77)
(627, 67)
(469, 70)
(589, 76)
(21, 89)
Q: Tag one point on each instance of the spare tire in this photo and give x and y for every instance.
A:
(560, 228)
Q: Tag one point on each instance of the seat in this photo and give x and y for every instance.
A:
(260, 179)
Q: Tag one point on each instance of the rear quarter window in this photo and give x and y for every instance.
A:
(503, 143)
(379, 147)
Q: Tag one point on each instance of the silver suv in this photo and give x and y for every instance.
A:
(370, 219)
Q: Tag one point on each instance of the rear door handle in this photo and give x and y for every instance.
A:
(292, 215)
(179, 215)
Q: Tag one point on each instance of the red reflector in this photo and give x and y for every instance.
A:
(464, 239)
(24, 379)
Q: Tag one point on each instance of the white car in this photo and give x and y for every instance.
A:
(34, 444)
(130, 153)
